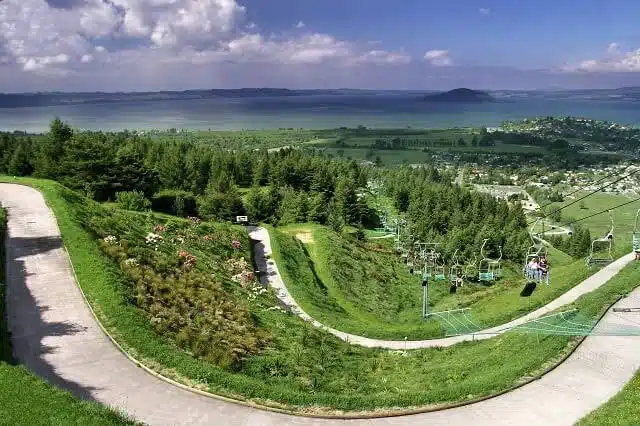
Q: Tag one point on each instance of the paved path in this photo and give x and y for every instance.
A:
(55, 335)
(273, 278)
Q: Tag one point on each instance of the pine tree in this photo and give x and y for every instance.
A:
(318, 207)
(19, 164)
(52, 149)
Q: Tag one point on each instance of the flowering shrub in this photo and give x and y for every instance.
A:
(244, 278)
(153, 239)
(165, 276)
(194, 220)
(256, 291)
(131, 262)
(110, 239)
(235, 244)
(188, 260)
(236, 266)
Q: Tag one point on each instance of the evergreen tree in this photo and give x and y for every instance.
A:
(19, 164)
(53, 148)
(256, 204)
(318, 206)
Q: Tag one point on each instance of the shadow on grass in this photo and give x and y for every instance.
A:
(528, 289)
(28, 326)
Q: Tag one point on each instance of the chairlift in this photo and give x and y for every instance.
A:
(601, 251)
(456, 271)
(537, 251)
(471, 269)
(439, 268)
(489, 269)
(635, 237)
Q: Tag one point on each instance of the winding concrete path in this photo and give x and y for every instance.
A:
(272, 277)
(55, 335)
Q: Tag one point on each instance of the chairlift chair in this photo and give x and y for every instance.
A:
(471, 269)
(456, 271)
(439, 269)
(537, 250)
(489, 269)
(600, 245)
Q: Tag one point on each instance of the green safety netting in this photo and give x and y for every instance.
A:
(573, 323)
(456, 322)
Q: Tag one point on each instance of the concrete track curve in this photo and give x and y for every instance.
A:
(55, 335)
(272, 277)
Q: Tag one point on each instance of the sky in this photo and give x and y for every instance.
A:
(140, 45)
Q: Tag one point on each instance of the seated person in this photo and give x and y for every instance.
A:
(532, 267)
(543, 266)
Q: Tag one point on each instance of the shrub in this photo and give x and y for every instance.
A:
(184, 298)
(133, 200)
(175, 202)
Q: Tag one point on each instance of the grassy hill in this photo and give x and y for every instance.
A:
(284, 361)
(364, 288)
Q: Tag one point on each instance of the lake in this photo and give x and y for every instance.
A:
(313, 111)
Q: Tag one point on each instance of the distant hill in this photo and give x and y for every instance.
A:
(42, 99)
(461, 95)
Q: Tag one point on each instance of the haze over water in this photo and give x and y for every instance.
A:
(317, 112)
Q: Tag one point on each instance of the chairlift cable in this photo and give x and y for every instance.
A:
(600, 212)
(583, 188)
(588, 195)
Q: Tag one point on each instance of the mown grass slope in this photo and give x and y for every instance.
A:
(364, 288)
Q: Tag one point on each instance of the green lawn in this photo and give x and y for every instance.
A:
(26, 399)
(365, 289)
(623, 217)
(301, 367)
(621, 410)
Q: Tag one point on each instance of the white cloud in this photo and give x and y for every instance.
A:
(438, 58)
(614, 60)
(138, 36)
(33, 64)
(382, 57)
(484, 11)
(99, 18)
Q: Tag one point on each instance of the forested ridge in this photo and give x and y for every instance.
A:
(190, 178)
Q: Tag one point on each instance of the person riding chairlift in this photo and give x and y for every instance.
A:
(533, 267)
(543, 266)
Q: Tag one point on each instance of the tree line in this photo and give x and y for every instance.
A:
(285, 186)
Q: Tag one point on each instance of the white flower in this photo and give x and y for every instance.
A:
(110, 239)
(152, 238)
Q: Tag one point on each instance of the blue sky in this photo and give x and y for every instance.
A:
(406, 44)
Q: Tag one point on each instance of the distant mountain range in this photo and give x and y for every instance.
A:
(42, 99)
